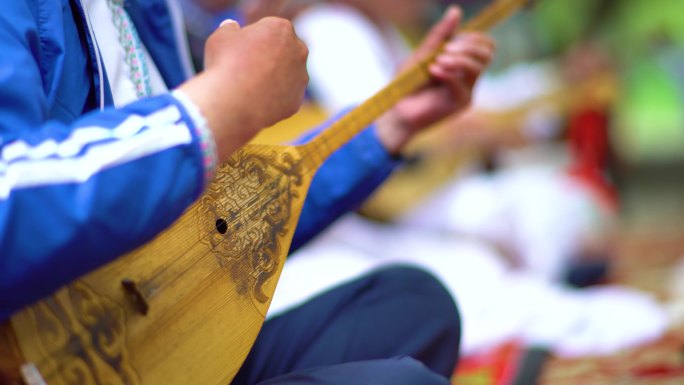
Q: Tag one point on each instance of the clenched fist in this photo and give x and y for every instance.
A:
(253, 78)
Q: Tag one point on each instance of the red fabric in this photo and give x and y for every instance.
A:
(589, 143)
(496, 367)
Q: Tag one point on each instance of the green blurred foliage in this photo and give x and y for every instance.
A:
(645, 41)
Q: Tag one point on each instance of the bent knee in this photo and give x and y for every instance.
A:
(419, 284)
(421, 290)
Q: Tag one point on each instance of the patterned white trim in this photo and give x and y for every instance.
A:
(206, 136)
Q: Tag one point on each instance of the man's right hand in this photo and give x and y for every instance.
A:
(254, 77)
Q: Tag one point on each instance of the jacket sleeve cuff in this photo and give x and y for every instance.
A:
(203, 133)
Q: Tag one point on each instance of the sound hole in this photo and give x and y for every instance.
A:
(221, 226)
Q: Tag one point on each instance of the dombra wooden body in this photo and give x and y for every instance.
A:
(187, 307)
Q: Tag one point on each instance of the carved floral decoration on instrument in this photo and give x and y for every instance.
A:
(245, 213)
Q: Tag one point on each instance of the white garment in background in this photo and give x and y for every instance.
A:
(497, 305)
(350, 58)
(520, 84)
(536, 212)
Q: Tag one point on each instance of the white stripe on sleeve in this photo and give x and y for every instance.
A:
(135, 138)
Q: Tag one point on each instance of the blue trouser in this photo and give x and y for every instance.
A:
(358, 334)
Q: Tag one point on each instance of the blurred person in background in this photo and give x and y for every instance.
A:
(541, 218)
(356, 48)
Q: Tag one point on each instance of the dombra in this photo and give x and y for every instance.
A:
(187, 307)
